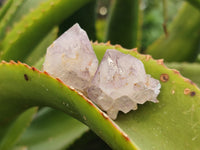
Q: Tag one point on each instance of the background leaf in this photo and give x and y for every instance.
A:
(15, 130)
(51, 130)
(183, 41)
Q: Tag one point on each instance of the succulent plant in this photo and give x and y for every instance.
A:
(28, 27)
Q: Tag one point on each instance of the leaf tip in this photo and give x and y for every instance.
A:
(107, 43)
(147, 57)
(12, 62)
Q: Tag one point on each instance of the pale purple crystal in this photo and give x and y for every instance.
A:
(121, 83)
(71, 58)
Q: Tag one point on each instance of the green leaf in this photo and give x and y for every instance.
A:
(183, 40)
(41, 48)
(5, 8)
(51, 130)
(15, 130)
(40, 89)
(13, 12)
(166, 125)
(26, 7)
(161, 126)
(32, 28)
(11, 9)
(123, 23)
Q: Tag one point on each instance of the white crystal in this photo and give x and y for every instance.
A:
(121, 83)
(71, 58)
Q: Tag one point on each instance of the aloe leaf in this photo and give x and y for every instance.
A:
(18, 10)
(5, 8)
(189, 70)
(63, 98)
(14, 6)
(33, 27)
(16, 129)
(183, 40)
(26, 7)
(41, 48)
(152, 126)
(162, 124)
(123, 23)
(56, 131)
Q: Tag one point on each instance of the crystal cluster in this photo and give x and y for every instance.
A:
(119, 83)
(72, 59)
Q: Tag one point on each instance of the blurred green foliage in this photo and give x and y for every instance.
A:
(153, 19)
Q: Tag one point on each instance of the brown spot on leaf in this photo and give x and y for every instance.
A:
(193, 93)
(173, 92)
(26, 77)
(186, 91)
(164, 77)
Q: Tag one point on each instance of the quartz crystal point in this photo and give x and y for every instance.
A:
(120, 83)
(71, 58)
